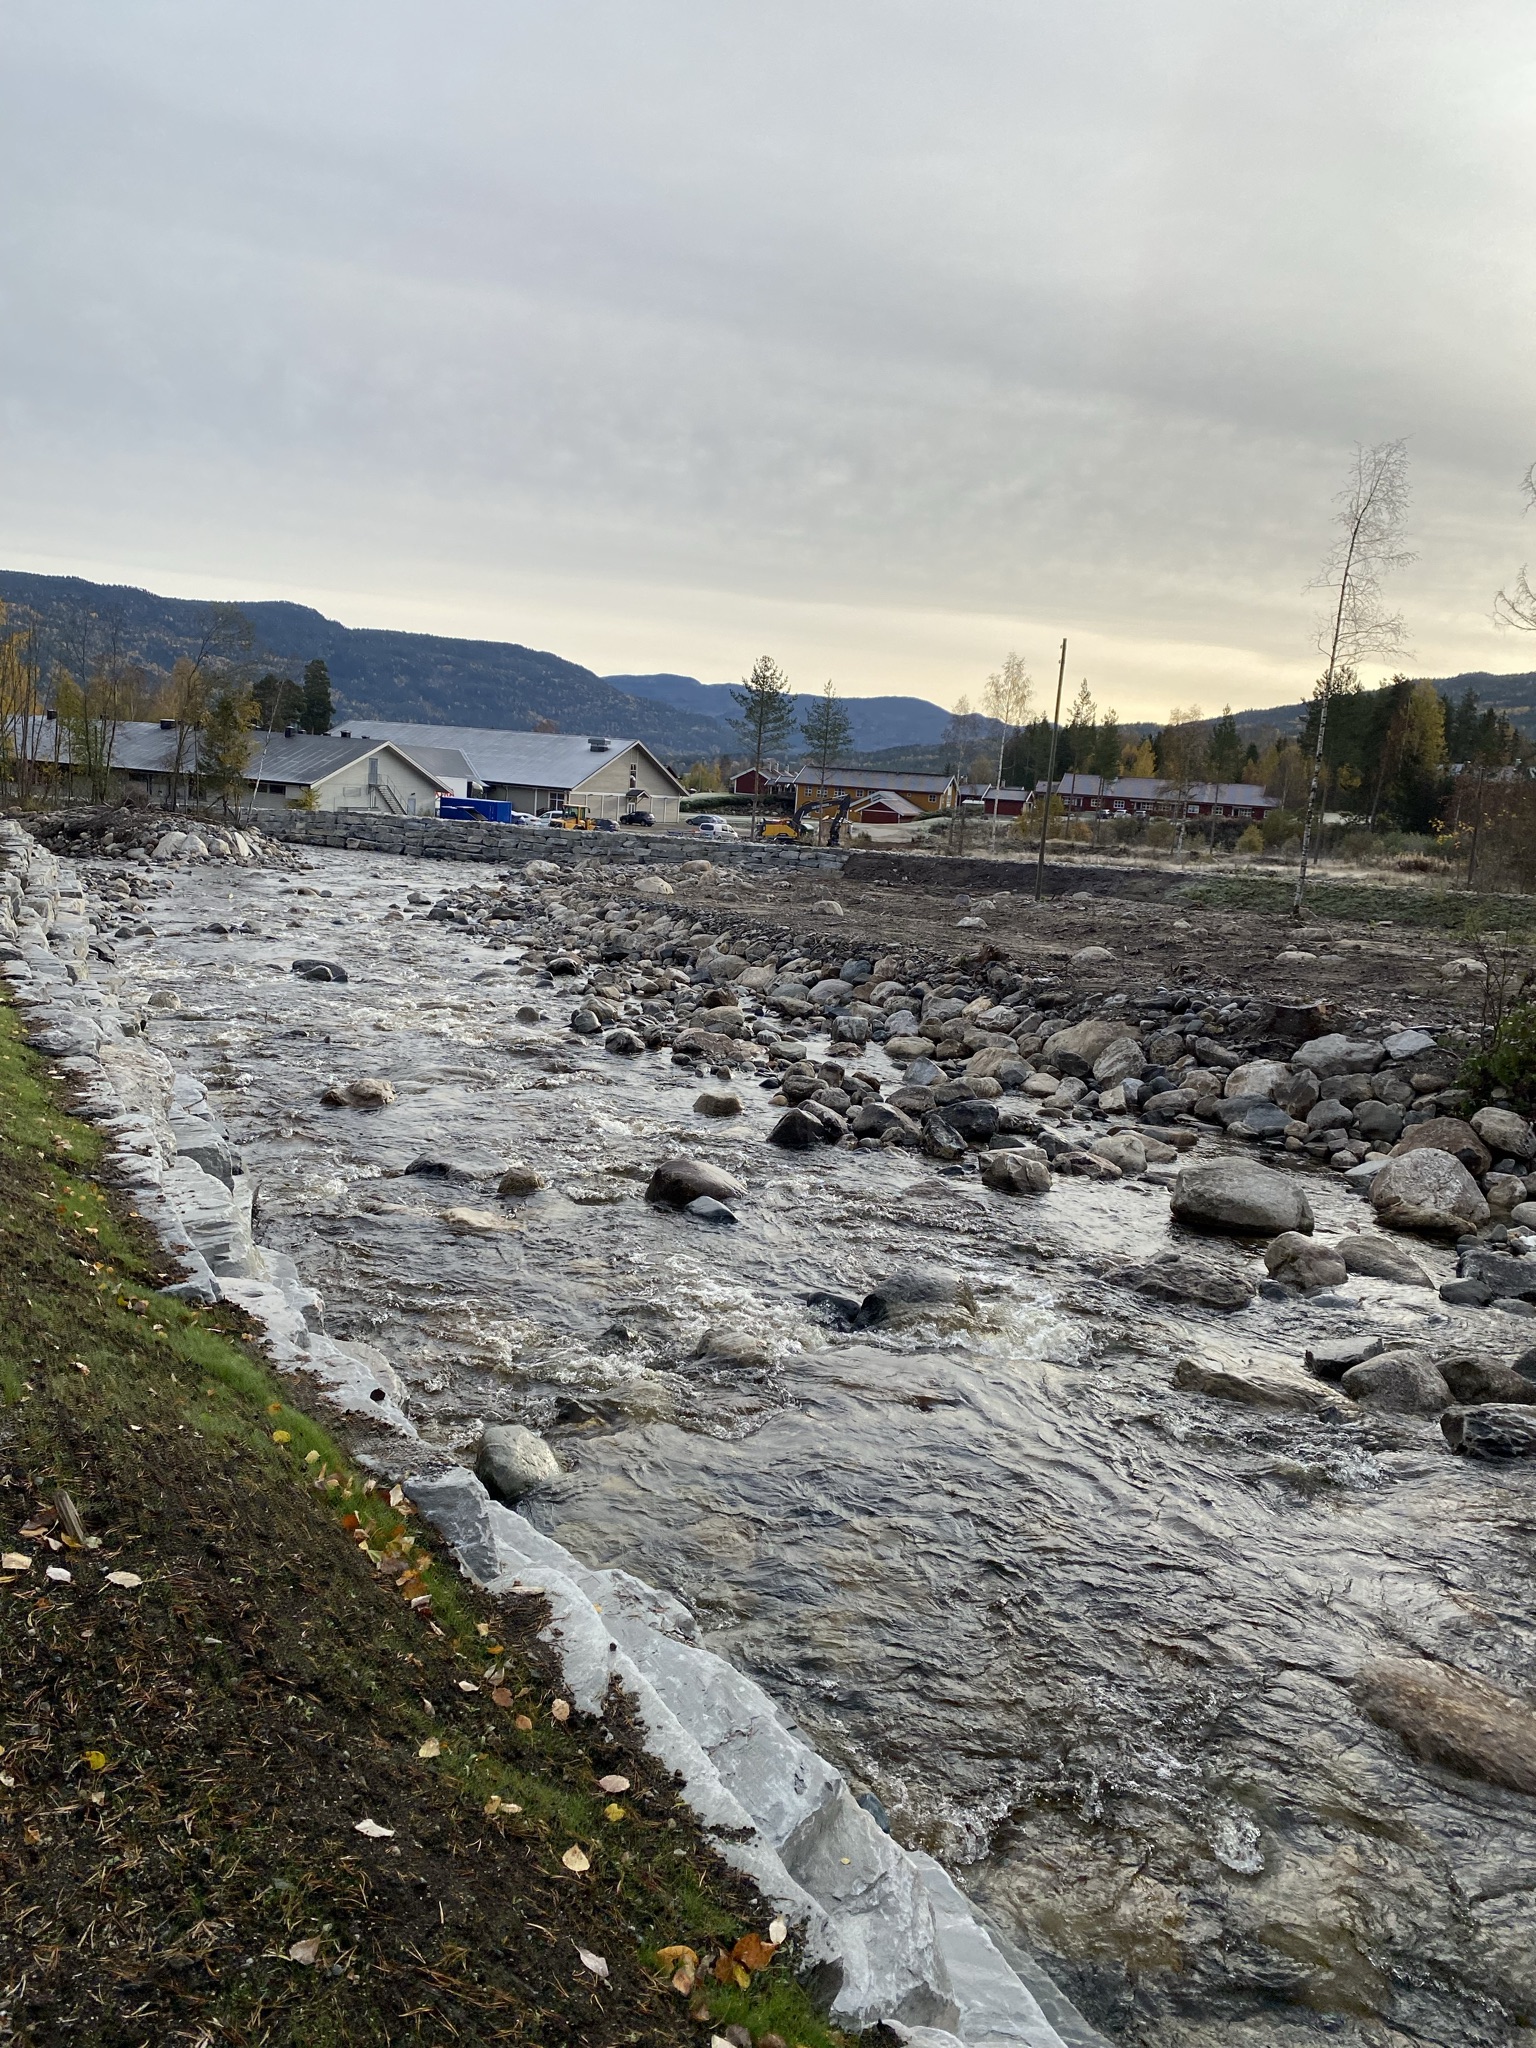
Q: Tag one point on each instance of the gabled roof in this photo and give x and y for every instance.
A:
(891, 801)
(310, 757)
(870, 778)
(535, 760)
(1155, 788)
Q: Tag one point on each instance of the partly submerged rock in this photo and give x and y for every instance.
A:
(367, 1091)
(1398, 1383)
(1252, 1389)
(1494, 1430)
(1241, 1197)
(1374, 1257)
(1453, 1718)
(518, 1179)
(477, 1222)
(1296, 1262)
(1178, 1276)
(513, 1461)
(680, 1180)
(1474, 1377)
(1015, 1172)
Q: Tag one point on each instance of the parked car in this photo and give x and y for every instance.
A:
(714, 828)
(637, 818)
(604, 825)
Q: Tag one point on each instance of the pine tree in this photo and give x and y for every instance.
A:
(765, 718)
(317, 711)
(827, 731)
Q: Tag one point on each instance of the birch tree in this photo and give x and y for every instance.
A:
(1517, 607)
(1007, 700)
(1357, 627)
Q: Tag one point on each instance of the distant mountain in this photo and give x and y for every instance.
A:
(878, 722)
(1513, 696)
(420, 676)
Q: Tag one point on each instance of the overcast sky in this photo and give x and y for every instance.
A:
(881, 336)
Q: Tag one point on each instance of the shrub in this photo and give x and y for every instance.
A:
(1507, 1061)
(1251, 841)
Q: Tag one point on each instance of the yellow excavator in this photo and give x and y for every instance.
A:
(796, 829)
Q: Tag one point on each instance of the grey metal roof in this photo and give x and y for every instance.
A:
(145, 747)
(869, 778)
(532, 760)
(1151, 788)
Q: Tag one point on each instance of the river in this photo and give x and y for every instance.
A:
(1086, 1637)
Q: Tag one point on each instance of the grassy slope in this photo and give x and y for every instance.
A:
(184, 1760)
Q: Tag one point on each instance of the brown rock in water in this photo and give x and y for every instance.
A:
(1474, 1377)
(366, 1092)
(1450, 1717)
(1378, 1258)
(680, 1180)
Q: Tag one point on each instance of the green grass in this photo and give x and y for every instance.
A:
(1354, 902)
(184, 1760)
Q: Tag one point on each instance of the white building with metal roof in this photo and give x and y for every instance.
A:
(541, 771)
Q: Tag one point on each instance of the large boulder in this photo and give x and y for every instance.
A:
(1257, 1077)
(1337, 1054)
(512, 1461)
(1123, 1149)
(1398, 1383)
(1506, 1135)
(1074, 1050)
(680, 1180)
(1023, 1173)
(808, 1125)
(1446, 1134)
(1453, 1718)
(1377, 1258)
(976, 1121)
(1428, 1191)
(1494, 1431)
(891, 1125)
(1473, 1377)
(1240, 1197)
(1296, 1262)
(1121, 1060)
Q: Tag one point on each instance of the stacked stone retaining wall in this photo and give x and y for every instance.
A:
(506, 845)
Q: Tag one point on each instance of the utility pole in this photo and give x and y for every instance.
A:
(1045, 815)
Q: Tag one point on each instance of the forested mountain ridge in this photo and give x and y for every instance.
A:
(422, 676)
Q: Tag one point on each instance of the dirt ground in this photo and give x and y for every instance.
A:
(1376, 951)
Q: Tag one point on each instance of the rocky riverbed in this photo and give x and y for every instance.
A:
(970, 1406)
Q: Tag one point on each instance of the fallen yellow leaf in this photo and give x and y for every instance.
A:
(685, 1975)
(282, 1436)
(96, 1760)
(614, 1812)
(575, 1858)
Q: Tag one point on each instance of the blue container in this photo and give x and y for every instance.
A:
(490, 808)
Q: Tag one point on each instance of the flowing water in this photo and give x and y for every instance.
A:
(1087, 1637)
